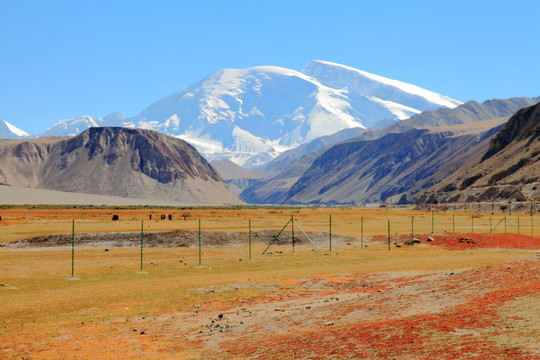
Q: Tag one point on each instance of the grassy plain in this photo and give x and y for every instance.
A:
(171, 311)
(20, 223)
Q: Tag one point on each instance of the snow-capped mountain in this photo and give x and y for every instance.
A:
(9, 131)
(252, 115)
(72, 127)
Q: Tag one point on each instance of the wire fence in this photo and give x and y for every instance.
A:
(297, 228)
(346, 222)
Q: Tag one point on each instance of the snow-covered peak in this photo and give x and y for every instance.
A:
(252, 115)
(71, 127)
(365, 83)
(10, 131)
(248, 112)
(265, 70)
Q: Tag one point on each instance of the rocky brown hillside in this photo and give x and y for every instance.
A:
(508, 170)
(393, 168)
(114, 161)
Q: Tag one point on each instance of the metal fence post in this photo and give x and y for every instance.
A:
(292, 232)
(362, 232)
(142, 243)
(330, 232)
(388, 235)
(412, 229)
(200, 252)
(73, 250)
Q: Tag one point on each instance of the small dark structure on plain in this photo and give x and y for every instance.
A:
(115, 217)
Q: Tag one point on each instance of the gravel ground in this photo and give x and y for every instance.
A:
(177, 238)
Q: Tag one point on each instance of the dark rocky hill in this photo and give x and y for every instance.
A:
(114, 161)
(509, 170)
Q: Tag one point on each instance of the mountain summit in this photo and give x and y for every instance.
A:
(9, 131)
(252, 115)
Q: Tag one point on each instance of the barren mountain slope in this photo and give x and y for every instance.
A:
(280, 174)
(274, 189)
(467, 113)
(236, 177)
(114, 161)
(396, 165)
(508, 170)
(229, 170)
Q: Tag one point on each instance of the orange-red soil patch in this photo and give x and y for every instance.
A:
(462, 325)
(469, 241)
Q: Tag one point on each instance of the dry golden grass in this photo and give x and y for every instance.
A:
(110, 286)
(18, 224)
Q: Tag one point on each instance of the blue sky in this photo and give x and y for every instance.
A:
(62, 59)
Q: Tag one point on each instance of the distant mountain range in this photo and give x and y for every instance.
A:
(115, 161)
(250, 116)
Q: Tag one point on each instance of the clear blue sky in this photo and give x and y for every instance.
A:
(62, 59)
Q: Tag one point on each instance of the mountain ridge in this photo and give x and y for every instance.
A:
(506, 171)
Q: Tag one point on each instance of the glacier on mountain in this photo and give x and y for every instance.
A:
(371, 85)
